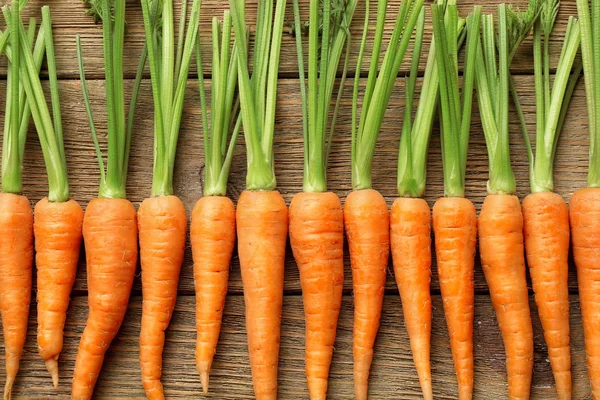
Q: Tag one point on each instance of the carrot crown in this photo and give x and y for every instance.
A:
(333, 20)
(258, 92)
(218, 154)
(590, 51)
(493, 83)
(169, 73)
(455, 112)
(113, 178)
(379, 85)
(551, 104)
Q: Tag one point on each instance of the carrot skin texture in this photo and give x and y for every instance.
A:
(262, 227)
(212, 235)
(410, 222)
(16, 260)
(547, 245)
(162, 225)
(455, 228)
(501, 246)
(58, 234)
(110, 235)
(367, 223)
(585, 230)
(317, 239)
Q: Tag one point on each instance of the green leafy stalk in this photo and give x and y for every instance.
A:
(218, 145)
(379, 86)
(333, 20)
(168, 92)
(114, 177)
(455, 111)
(258, 92)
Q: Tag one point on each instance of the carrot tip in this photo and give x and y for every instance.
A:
(52, 367)
(8, 387)
(204, 381)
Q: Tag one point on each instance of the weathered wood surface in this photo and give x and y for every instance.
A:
(392, 377)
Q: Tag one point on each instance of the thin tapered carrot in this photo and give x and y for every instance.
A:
(262, 227)
(501, 245)
(16, 259)
(317, 239)
(410, 221)
(110, 234)
(366, 219)
(57, 227)
(162, 224)
(212, 235)
(585, 230)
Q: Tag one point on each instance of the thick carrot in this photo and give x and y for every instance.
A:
(585, 228)
(547, 245)
(262, 222)
(57, 229)
(16, 259)
(110, 235)
(162, 227)
(317, 238)
(367, 224)
(410, 222)
(212, 234)
(455, 228)
(500, 229)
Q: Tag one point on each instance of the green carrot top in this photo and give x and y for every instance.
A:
(333, 20)
(379, 85)
(169, 73)
(113, 178)
(589, 21)
(455, 111)
(258, 92)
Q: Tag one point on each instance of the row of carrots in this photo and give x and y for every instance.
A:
(111, 229)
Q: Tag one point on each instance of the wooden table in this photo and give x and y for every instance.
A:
(393, 375)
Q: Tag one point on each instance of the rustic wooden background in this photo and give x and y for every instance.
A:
(393, 374)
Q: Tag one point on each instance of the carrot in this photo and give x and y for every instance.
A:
(501, 247)
(162, 218)
(213, 238)
(110, 229)
(262, 221)
(262, 215)
(316, 216)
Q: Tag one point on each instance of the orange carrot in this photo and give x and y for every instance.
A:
(262, 222)
(162, 224)
(410, 222)
(585, 228)
(212, 235)
(16, 259)
(317, 238)
(367, 224)
(57, 229)
(110, 235)
(455, 227)
(547, 245)
(500, 228)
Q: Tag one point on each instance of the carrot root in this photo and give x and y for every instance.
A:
(455, 227)
(262, 221)
(547, 244)
(212, 235)
(110, 234)
(317, 239)
(16, 259)
(501, 245)
(367, 224)
(410, 221)
(162, 224)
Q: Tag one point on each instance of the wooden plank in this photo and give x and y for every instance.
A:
(69, 20)
(392, 376)
(571, 162)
